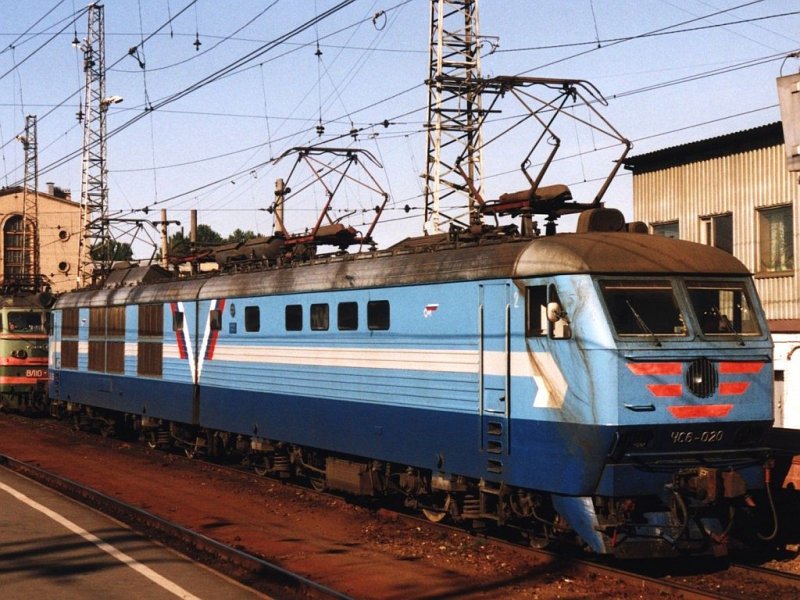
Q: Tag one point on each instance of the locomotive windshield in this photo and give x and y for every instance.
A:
(29, 322)
(722, 308)
(643, 307)
(654, 308)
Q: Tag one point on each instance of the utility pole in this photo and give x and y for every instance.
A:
(95, 240)
(454, 116)
(30, 205)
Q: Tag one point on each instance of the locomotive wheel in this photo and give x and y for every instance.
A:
(317, 482)
(441, 508)
(151, 438)
(539, 538)
(262, 465)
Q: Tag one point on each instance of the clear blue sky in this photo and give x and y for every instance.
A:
(228, 130)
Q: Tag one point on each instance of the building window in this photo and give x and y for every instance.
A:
(13, 250)
(717, 231)
(776, 239)
(668, 229)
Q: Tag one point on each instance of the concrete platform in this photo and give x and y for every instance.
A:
(52, 547)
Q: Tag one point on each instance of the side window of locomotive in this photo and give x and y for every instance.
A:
(536, 313)
(150, 347)
(347, 316)
(378, 317)
(70, 320)
(177, 320)
(252, 318)
(319, 317)
(294, 317)
(559, 325)
(215, 319)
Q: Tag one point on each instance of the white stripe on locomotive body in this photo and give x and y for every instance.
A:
(538, 366)
(454, 361)
(189, 343)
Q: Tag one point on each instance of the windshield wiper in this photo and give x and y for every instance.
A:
(725, 322)
(642, 325)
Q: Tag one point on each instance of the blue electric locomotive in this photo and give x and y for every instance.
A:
(613, 387)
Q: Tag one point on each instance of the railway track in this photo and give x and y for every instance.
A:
(248, 569)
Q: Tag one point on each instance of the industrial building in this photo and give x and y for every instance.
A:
(58, 220)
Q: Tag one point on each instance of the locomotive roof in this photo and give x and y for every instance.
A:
(626, 253)
(597, 253)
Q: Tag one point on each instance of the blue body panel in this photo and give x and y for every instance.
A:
(454, 366)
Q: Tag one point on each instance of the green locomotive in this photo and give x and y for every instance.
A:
(24, 327)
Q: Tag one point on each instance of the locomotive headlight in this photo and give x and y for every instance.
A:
(22, 354)
(701, 377)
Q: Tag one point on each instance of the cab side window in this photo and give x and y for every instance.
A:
(560, 328)
(544, 314)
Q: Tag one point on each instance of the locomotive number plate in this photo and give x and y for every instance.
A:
(35, 373)
(704, 437)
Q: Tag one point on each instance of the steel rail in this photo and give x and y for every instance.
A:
(771, 575)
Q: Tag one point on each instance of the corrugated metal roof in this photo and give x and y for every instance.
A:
(723, 145)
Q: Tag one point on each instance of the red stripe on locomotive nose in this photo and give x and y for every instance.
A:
(699, 411)
(662, 390)
(657, 368)
(740, 367)
(733, 388)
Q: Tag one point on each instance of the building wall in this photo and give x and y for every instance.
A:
(740, 184)
(59, 234)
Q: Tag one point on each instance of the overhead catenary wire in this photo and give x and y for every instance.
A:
(208, 79)
(631, 92)
(79, 90)
(368, 127)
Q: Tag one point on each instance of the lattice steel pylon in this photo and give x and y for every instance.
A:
(31, 272)
(95, 240)
(454, 111)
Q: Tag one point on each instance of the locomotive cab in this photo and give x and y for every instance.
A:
(24, 327)
(660, 372)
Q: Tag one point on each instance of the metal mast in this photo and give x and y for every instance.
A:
(454, 114)
(94, 253)
(30, 205)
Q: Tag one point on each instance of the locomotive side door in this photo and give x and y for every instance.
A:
(494, 373)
